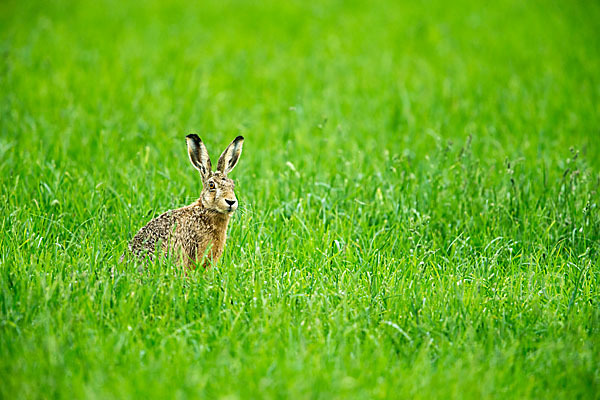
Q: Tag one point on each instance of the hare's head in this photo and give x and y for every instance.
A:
(217, 192)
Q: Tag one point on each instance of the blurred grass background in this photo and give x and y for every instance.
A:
(419, 198)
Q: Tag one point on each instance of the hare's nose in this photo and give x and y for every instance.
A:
(230, 202)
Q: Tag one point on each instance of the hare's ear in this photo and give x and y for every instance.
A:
(230, 156)
(198, 155)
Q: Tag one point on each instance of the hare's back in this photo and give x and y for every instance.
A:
(155, 232)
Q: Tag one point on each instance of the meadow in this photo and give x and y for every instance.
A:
(419, 199)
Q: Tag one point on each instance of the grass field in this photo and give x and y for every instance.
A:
(419, 199)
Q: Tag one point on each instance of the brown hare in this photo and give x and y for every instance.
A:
(196, 233)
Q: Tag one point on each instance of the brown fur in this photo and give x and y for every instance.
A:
(196, 233)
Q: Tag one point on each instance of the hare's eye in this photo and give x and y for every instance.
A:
(211, 185)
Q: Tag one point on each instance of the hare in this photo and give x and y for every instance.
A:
(195, 233)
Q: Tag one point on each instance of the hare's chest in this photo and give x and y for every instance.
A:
(217, 244)
(205, 238)
(210, 242)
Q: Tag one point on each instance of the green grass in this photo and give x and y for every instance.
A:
(419, 199)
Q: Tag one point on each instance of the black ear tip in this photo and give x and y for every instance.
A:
(193, 137)
(237, 139)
